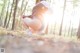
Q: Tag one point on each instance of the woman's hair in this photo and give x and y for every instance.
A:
(40, 8)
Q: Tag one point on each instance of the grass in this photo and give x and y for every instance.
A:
(22, 33)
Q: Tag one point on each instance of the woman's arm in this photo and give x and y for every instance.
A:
(24, 16)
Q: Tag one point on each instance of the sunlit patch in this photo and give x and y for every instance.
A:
(48, 18)
(70, 17)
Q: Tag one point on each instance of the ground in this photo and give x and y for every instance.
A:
(13, 43)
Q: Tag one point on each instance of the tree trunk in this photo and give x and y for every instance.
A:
(69, 30)
(22, 5)
(9, 15)
(60, 31)
(5, 21)
(23, 10)
(78, 33)
(14, 14)
(2, 12)
(37, 1)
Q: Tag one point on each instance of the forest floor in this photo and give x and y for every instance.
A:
(19, 42)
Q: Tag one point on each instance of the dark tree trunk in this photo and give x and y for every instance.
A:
(14, 14)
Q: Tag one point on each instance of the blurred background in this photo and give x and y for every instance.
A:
(65, 19)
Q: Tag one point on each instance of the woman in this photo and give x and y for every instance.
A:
(35, 22)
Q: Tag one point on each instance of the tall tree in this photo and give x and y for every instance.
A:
(14, 14)
(60, 31)
(9, 15)
(6, 18)
(2, 12)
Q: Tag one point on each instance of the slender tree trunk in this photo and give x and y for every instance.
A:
(37, 1)
(78, 33)
(65, 31)
(22, 5)
(2, 12)
(14, 14)
(9, 16)
(23, 10)
(54, 28)
(72, 29)
(5, 21)
(69, 30)
(60, 31)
